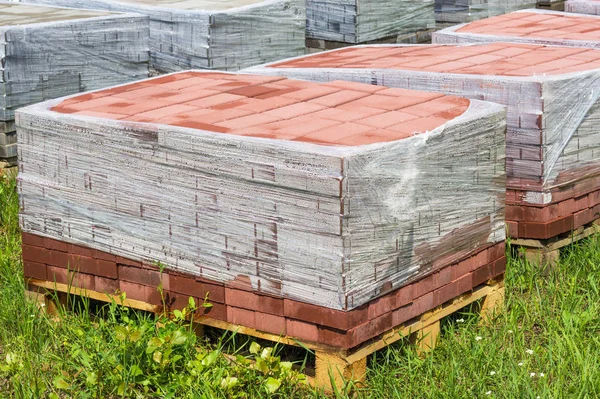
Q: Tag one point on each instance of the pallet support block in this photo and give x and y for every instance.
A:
(426, 338)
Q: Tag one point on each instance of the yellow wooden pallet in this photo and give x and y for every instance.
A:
(332, 364)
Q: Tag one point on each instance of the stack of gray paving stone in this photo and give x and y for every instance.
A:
(49, 52)
(213, 34)
(359, 21)
(459, 11)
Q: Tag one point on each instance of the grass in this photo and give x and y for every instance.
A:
(546, 344)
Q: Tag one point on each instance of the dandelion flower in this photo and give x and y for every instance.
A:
(492, 373)
(529, 351)
(478, 338)
(532, 375)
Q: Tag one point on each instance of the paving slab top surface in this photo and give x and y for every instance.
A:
(336, 113)
(503, 59)
(538, 25)
(23, 14)
(194, 4)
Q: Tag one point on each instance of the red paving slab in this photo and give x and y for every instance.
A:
(336, 113)
(502, 59)
(542, 25)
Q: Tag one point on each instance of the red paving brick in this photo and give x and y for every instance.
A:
(336, 113)
(503, 59)
(538, 25)
(237, 305)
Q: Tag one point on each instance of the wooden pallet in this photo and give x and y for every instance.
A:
(551, 5)
(546, 253)
(332, 364)
(420, 37)
(8, 168)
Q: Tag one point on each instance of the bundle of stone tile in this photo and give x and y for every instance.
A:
(551, 95)
(528, 26)
(360, 21)
(274, 195)
(459, 11)
(590, 7)
(49, 52)
(213, 34)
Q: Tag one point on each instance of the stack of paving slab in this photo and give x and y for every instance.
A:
(460, 11)
(295, 205)
(589, 7)
(361, 21)
(213, 34)
(52, 52)
(551, 94)
(528, 26)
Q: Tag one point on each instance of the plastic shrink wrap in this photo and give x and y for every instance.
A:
(459, 11)
(213, 34)
(359, 21)
(241, 177)
(527, 26)
(52, 52)
(590, 7)
(551, 95)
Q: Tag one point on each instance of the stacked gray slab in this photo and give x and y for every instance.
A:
(49, 52)
(459, 11)
(360, 21)
(213, 34)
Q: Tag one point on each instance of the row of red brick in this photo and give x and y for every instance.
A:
(543, 222)
(238, 304)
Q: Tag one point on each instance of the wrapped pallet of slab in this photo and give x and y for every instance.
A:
(213, 34)
(360, 21)
(527, 26)
(278, 187)
(589, 7)
(49, 52)
(551, 94)
(460, 11)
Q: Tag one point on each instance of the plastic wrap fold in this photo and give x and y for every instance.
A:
(359, 21)
(335, 226)
(213, 34)
(552, 135)
(49, 52)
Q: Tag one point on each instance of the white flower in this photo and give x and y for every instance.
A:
(492, 373)
(529, 351)
(520, 364)
(532, 375)
(42, 305)
(478, 338)
(488, 393)
(510, 331)
(542, 374)
(460, 320)
(537, 397)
